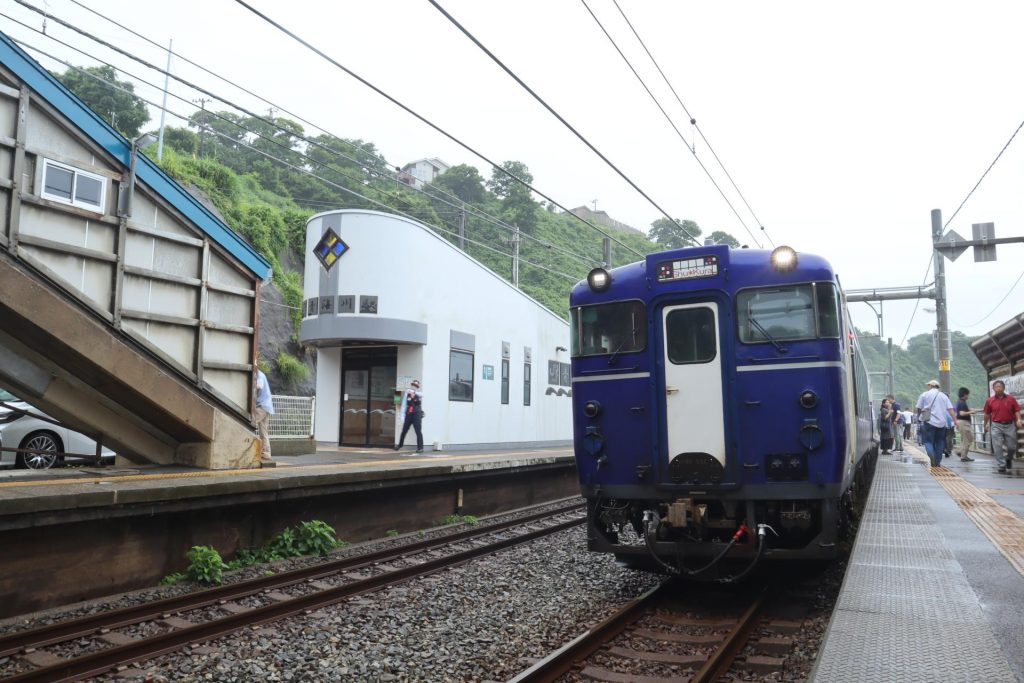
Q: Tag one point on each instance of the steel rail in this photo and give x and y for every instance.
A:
(99, 662)
(91, 624)
(561, 661)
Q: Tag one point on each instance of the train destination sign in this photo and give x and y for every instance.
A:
(687, 269)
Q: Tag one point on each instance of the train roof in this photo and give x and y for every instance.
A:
(733, 269)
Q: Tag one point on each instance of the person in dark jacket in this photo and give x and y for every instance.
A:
(885, 427)
(412, 414)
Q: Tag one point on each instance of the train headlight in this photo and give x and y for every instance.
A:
(784, 259)
(808, 399)
(599, 280)
(591, 408)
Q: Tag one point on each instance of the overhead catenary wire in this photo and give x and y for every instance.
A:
(996, 307)
(558, 116)
(469, 210)
(299, 169)
(672, 123)
(983, 175)
(312, 48)
(917, 302)
(483, 215)
(694, 122)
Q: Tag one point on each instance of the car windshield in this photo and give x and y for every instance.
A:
(8, 396)
(612, 328)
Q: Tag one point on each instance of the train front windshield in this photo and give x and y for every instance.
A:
(788, 313)
(601, 329)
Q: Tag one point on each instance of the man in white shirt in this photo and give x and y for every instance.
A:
(939, 410)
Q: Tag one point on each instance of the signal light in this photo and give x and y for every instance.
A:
(808, 399)
(591, 408)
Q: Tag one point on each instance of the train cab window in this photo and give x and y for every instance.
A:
(690, 336)
(612, 328)
(828, 309)
(776, 313)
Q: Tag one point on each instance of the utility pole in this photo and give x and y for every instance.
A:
(515, 257)
(941, 315)
(606, 251)
(892, 375)
(462, 228)
(202, 126)
(163, 107)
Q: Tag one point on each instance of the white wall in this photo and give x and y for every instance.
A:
(421, 277)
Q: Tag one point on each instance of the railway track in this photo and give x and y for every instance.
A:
(653, 639)
(173, 623)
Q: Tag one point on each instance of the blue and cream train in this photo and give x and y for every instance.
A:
(721, 409)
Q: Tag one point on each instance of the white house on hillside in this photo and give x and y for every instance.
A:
(421, 171)
(389, 301)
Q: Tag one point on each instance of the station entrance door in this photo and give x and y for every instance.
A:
(368, 378)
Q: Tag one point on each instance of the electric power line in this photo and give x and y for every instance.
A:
(313, 175)
(996, 307)
(554, 113)
(668, 118)
(323, 55)
(983, 175)
(469, 209)
(917, 302)
(693, 122)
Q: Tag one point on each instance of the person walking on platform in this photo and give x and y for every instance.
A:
(412, 414)
(934, 409)
(1002, 416)
(963, 424)
(264, 409)
(885, 427)
(908, 419)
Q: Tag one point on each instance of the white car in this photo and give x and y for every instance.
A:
(18, 430)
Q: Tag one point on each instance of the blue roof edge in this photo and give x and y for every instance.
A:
(89, 123)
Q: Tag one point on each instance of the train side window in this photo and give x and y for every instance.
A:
(690, 336)
(828, 309)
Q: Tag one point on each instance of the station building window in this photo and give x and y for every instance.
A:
(460, 376)
(527, 368)
(73, 186)
(504, 382)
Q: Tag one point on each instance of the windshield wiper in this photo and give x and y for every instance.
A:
(778, 347)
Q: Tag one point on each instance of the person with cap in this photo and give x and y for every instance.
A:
(411, 412)
(1002, 415)
(933, 409)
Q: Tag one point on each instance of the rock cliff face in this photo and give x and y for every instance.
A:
(276, 333)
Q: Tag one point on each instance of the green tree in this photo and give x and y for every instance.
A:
(464, 181)
(722, 237)
(101, 89)
(182, 139)
(670, 236)
(503, 186)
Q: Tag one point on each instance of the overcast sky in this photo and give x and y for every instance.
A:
(843, 126)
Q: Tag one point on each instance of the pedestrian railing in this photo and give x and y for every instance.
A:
(293, 417)
(981, 442)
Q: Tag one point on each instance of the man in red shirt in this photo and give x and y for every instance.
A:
(1002, 415)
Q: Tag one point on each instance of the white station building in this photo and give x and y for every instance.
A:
(387, 301)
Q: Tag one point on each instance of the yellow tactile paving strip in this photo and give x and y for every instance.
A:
(431, 460)
(1001, 526)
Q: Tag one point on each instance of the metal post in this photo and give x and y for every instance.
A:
(163, 107)
(892, 375)
(515, 257)
(941, 317)
(462, 228)
(606, 251)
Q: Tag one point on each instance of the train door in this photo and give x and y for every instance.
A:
(694, 414)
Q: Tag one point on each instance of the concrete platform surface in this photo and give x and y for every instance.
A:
(934, 587)
(28, 491)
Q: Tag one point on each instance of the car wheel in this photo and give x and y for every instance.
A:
(40, 441)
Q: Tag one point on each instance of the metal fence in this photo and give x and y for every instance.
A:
(292, 418)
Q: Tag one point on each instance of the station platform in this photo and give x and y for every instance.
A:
(103, 530)
(934, 588)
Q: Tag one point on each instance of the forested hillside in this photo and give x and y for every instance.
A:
(915, 365)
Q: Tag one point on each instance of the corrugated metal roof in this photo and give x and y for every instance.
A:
(45, 86)
(1001, 351)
